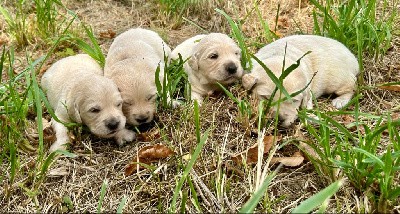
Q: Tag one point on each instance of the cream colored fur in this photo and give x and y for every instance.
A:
(334, 66)
(131, 63)
(212, 58)
(78, 92)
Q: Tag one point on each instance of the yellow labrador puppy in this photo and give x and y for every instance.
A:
(131, 63)
(334, 66)
(212, 58)
(78, 92)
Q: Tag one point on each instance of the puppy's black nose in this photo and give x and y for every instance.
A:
(113, 124)
(142, 119)
(231, 68)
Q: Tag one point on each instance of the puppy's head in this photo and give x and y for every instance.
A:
(98, 104)
(263, 87)
(139, 93)
(216, 58)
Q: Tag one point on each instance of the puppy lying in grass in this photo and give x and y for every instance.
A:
(212, 58)
(78, 92)
(334, 66)
(131, 63)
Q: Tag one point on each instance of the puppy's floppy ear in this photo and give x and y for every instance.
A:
(193, 62)
(249, 81)
(73, 110)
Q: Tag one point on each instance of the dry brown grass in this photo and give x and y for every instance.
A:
(81, 178)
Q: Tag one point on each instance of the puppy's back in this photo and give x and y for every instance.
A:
(129, 40)
(334, 63)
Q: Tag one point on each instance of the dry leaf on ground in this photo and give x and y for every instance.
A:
(147, 155)
(148, 136)
(390, 87)
(110, 34)
(251, 154)
(295, 160)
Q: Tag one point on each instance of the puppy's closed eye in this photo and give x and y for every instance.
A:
(119, 104)
(95, 109)
(151, 97)
(213, 56)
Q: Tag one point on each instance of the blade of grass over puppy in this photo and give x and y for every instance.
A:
(246, 62)
(275, 80)
(201, 140)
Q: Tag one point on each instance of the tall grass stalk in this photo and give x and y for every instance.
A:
(239, 36)
(46, 17)
(201, 140)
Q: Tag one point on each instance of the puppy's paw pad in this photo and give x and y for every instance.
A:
(124, 136)
(340, 102)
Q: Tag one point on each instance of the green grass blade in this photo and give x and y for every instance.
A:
(319, 198)
(239, 37)
(373, 157)
(251, 204)
(102, 194)
(121, 205)
(201, 141)
(272, 76)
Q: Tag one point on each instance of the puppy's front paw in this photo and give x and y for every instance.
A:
(248, 81)
(124, 136)
(340, 102)
(58, 145)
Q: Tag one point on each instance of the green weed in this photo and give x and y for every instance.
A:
(360, 156)
(174, 83)
(46, 17)
(18, 24)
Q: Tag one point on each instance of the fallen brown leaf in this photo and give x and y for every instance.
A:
(148, 136)
(347, 119)
(251, 154)
(147, 155)
(390, 87)
(109, 34)
(295, 160)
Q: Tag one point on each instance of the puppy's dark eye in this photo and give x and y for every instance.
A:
(151, 97)
(94, 110)
(237, 53)
(119, 104)
(213, 56)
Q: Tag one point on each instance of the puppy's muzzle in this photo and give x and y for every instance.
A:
(231, 68)
(142, 119)
(112, 124)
